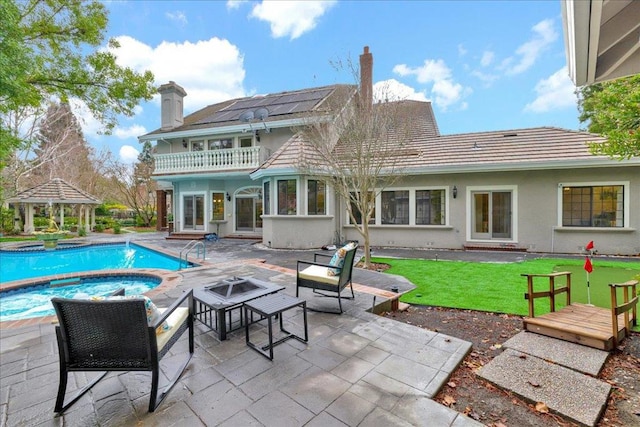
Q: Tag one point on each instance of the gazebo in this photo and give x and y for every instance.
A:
(57, 192)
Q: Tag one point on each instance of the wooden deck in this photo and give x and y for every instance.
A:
(579, 323)
(601, 328)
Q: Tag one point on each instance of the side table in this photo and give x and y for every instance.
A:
(267, 307)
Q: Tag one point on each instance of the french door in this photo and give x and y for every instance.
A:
(193, 212)
(491, 215)
(248, 207)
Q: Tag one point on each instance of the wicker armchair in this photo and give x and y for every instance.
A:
(315, 275)
(114, 335)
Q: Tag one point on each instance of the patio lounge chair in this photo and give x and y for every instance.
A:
(115, 335)
(331, 277)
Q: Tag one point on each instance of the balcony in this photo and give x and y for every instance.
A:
(210, 161)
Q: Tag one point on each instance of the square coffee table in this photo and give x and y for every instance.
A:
(219, 306)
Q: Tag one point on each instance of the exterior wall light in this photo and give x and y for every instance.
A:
(455, 191)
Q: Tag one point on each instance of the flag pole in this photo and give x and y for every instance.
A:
(588, 288)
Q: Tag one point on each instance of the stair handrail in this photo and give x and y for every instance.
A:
(186, 250)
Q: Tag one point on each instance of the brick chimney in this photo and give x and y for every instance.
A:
(366, 78)
(172, 112)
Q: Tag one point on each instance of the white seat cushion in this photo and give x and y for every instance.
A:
(318, 274)
(179, 315)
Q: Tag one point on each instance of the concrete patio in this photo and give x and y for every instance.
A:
(357, 369)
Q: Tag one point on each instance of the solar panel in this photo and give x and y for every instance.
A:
(277, 104)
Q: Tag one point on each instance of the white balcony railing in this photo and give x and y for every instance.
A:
(210, 161)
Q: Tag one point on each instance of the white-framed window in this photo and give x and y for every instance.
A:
(197, 145)
(358, 215)
(424, 206)
(246, 142)
(217, 205)
(394, 207)
(266, 194)
(430, 206)
(219, 143)
(316, 197)
(594, 204)
(287, 196)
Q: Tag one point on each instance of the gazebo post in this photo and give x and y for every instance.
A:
(86, 219)
(61, 206)
(28, 218)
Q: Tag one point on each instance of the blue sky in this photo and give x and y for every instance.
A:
(484, 65)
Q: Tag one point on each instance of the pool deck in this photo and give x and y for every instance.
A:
(358, 369)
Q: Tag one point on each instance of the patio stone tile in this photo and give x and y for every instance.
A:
(35, 396)
(322, 357)
(202, 380)
(320, 331)
(243, 367)
(420, 410)
(219, 402)
(463, 421)
(315, 389)
(350, 409)
(375, 395)
(115, 410)
(278, 410)
(397, 344)
(79, 415)
(241, 419)
(325, 420)
(370, 330)
(407, 371)
(43, 370)
(13, 368)
(344, 343)
(381, 418)
(178, 414)
(387, 384)
(372, 354)
(353, 369)
(436, 384)
(447, 343)
(273, 378)
(429, 356)
(12, 356)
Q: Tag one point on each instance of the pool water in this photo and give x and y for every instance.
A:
(35, 301)
(32, 264)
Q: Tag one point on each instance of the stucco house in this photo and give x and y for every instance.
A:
(231, 168)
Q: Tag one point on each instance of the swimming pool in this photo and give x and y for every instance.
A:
(35, 301)
(18, 265)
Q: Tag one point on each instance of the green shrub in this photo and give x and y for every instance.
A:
(82, 232)
(99, 228)
(116, 228)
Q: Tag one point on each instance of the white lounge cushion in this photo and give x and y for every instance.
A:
(318, 274)
(178, 316)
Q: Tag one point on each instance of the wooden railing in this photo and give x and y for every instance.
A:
(212, 160)
(628, 306)
(531, 295)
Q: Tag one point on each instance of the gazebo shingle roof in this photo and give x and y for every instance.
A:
(57, 191)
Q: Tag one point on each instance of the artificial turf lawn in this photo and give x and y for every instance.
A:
(499, 287)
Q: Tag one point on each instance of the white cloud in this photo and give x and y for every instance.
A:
(209, 70)
(486, 78)
(90, 126)
(235, 4)
(554, 93)
(393, 90)
(128, 154)
(487, 58)
(445, 91)
(177, 16)
(461, 50)
(291, 18)
(527, 53)
(129, 132)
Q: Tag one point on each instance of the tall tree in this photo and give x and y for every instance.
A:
(612, 109)
(49, 49)
(359, 152)
(134, 184)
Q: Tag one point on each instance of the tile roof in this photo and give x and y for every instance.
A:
(58, 191)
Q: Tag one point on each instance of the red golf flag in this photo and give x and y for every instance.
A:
(587, 265)
(589, 246)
